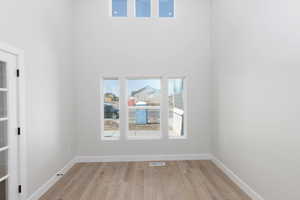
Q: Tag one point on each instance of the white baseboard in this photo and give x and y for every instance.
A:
(44, 188)
(128, 158)
(237, 180)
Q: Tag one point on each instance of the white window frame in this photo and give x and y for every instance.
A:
(102, 108)
(160, 108)
(110, 9)
(174, 14)
(185, 107)
(131, 10)
(124, 109)
(151, 8)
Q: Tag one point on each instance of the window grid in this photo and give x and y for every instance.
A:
(142, 8)
(124, 110)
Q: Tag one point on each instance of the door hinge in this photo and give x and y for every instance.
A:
(19, 130)
(20, 189)
(18, 73)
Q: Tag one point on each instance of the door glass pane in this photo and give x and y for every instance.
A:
(3, 134)
(119, 8)
(3, 163)
(176, 107)
(144, 96)
(166, 8)
(111, 108)
(3, 190)
(2, 75)
(142, 8)
(3, 104)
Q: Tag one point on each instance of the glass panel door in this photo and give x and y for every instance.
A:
(3, 132)
(8, 127)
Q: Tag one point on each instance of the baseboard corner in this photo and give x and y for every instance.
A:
(46, 186)
(237, 180)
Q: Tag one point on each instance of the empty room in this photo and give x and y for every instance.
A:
(149, 100)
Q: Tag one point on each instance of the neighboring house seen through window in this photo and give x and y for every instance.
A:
(144, 97)
(143, 106)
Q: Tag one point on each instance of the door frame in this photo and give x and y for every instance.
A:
(21, 111)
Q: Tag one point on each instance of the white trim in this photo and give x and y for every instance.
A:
(102, 79)
(128, 2)
(21, 86)
(237, 180)
(4, 148)
(132, 138)
(124, 108)
(44, 188)
(134, 7)
(127, 108)
(3, 119)
(4, 178)
(132, 158)
(174, 11)
(3, 89)
(185, 106)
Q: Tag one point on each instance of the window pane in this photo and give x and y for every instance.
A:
(176, 107)
(2, 75)
(111, 108)
(144, 96)
(143, 8)
(119, 8)
(166, 8)
(3, 190)
(3, 104)
(3, 133)
(3, 163)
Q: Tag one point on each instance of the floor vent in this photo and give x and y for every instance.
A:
(157, 164)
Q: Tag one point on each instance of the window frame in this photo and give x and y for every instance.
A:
(127, 108)
(158, 14)
(123, 108)
(102, 79)
(131, 10)
(185, 107)
(134, 9)
(128, 2)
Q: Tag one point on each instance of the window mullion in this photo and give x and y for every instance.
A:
(123, 108)
(164, 108)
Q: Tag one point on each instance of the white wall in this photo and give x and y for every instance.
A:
(131, 46)
(256, 58)
(42, 30)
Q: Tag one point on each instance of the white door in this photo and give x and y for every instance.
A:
(8, 127)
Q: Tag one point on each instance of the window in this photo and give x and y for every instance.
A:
(142, 8)
(111, 108)
(132, 108)
(144, 97)
(119, 8)
(166, 8)
(176, 107)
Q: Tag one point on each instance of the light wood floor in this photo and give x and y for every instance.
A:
(179, 180)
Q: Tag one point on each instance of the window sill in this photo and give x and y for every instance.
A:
(133, 138)
(110, 138)
(178, 138)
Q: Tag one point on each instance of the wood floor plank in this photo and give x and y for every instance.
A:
(178, 180)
